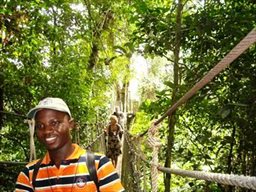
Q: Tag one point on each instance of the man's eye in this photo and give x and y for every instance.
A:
(54, 123)
(39, 126)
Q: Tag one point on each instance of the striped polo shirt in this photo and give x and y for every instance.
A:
(71, 176)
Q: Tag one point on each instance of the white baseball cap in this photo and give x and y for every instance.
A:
(49, 103)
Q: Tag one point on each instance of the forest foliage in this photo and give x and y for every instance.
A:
(80, 51)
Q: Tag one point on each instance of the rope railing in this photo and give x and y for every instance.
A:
(94, 141)
(241, 181)
(135, 155)
(243, 45)
(155, 143)
(12, 163)
(132, 148)
(11, 113)
(248, 182)
(226, 179)
(31, 123)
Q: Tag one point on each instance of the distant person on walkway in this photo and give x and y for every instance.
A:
(114, 134)
(63, 168)
(120, 116)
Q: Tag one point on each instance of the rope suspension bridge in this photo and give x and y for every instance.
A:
(154, 142)
(131, 143)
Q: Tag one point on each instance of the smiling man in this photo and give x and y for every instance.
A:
(63, 168)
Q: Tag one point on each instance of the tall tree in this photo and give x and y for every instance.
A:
(172, 118)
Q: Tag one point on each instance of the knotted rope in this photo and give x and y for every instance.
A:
(155, 143)
(134, 154)
(31, 123)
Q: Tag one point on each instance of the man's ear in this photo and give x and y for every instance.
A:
(72, 124)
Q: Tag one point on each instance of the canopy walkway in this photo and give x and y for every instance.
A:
(132, 152)
(132, 141)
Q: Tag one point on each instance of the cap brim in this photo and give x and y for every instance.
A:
(31, 114)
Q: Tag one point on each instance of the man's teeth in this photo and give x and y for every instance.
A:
(50, 138)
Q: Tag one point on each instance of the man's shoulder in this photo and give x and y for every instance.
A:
(32, 163)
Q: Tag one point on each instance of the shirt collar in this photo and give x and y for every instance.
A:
(78, 151)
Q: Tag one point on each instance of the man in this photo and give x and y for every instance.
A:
(120, 115)
(63, 168)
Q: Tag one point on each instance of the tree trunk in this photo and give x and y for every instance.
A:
(97, 26)
(172, 119)
(1, 100)
(93, 59)
(230, 156)
(125, 99)
(170, 142)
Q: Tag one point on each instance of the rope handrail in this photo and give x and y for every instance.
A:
(244, 44)
(155, 143)
(11, 113)
(90, 144)
(13, 163)
(248, 182)
(31, 123)
(226, 179)
(131, 148)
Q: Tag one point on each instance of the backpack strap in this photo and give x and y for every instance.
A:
(36, 169)
(90, 163)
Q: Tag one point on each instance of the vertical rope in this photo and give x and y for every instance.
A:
(31, 124)
(155, 143)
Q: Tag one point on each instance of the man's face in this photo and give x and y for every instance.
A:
(53, 128)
